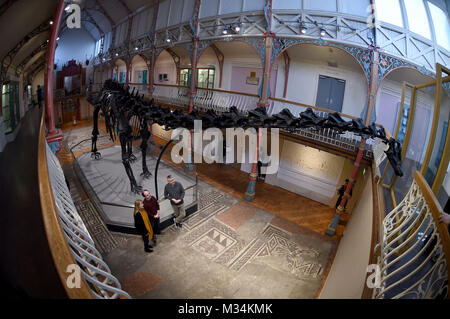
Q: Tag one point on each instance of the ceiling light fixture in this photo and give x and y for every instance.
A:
(168, 40)
(225, 31)
(51, 22)
(322, 32)
(237, 28)
(67, 9)
(303, 29)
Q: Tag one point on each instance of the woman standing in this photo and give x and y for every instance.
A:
(142, 224)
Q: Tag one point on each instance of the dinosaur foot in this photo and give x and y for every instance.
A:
(132, 158)
(96, 155)
(146, 175)
(136, 189)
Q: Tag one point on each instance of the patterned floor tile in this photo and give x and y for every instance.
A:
(237, 215)
(290, 255)
(140, 283)
(216, 241)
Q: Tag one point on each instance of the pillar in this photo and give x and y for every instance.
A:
(151, 71)
(368, 116)
(251, 187)
(128, 72)
(193, 84)
(264, 94)
(54, 136)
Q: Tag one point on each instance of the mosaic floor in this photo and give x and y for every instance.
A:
(228, 249)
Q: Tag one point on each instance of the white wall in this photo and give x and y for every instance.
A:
(74, 44)
(308, 172)
(347, 275)
(304, 80)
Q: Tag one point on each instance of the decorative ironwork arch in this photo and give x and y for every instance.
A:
(362, 56)
(258, 43)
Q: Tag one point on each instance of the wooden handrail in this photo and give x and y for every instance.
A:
(171, 85)
(436, 211)
(59, 247)
(377, 215)
(230, 92)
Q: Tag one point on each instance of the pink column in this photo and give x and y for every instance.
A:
(373, 87)
(50, 71)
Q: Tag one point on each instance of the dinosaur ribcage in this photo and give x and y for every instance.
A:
(135, 123)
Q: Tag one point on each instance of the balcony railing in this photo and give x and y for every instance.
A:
(172, 94)
(347, 141)
(69, 240)
(222, 101)
(415, 248)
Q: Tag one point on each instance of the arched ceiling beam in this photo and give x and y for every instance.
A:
(99, 7)
(31, 70)
(122, 2)
(9, 58)
(20, 67)
(92, 20)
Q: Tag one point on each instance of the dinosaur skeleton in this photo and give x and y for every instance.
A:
(128, 115)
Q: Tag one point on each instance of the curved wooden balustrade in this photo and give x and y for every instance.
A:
(59, 247)
(68, 238)
(414, 248)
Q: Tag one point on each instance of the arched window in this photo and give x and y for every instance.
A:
(417, 18)
(441, 26)
(389, 11)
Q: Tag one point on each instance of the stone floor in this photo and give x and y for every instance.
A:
(228, 249)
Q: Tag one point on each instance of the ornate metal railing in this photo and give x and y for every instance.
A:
(415, 248)
(96, 272)
(347, 141)
(171, 94)
(221, 100)
(69, 241)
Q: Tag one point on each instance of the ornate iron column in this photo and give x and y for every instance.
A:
(54, 136)
(193, 90)
(151, 71)
(264, 94)
(373, 88)
(194, 27)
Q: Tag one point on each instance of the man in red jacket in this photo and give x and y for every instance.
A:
(152, 208)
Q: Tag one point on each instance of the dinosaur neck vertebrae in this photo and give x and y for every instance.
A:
(119, 106)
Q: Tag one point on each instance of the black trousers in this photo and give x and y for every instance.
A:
(155, 227)
(146, 241)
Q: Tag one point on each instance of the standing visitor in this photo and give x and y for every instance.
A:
(174, 192)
